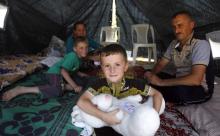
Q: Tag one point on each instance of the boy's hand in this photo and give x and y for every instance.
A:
(110, 117)
(83, 74)
(78, 89)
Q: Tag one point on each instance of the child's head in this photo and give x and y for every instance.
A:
(79, 29)
(81, 46)
(114, 62)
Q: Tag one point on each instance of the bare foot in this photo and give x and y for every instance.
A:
(8, 95)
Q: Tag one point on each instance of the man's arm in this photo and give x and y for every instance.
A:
(160, 65)
(157, 68)
(163, 61)
(200, 59)
(86, 105)
(69, 44)
(194, 78)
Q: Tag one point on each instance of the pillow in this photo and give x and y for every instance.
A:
(50, 60)
(56, 47)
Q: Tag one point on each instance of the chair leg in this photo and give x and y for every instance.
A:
(155, 53)
(149, 51)
(135, 50)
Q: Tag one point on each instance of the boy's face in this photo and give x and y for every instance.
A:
(114, 66)
(81, 49)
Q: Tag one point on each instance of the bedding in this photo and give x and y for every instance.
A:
(15, 67)
(205, 117)
(29, 114)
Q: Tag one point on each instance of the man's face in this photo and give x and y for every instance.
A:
(81, 49)
(79, 31)
(114, 66)
(182, 27)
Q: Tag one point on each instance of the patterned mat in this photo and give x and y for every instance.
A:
(31, 115)
(173, 123)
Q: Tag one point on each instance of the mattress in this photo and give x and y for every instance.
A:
(15, 67)
(205, 117)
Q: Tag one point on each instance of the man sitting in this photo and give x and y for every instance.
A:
(194, 79)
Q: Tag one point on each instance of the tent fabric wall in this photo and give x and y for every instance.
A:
(205, 12)
(127, 15)
(31, 23)
(97, 13)
(27, 30)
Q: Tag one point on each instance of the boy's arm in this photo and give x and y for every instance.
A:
(157, 98)
(82, 74)
(86, 105)
(69, 80)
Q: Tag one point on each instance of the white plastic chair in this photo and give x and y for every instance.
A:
(215, 36)
(139, 33)
(214, 40)
(215, 47)
(109, 35)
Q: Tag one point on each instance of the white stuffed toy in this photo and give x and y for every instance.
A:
(136, 119)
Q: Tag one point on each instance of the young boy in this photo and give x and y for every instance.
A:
(55, 75)
(114, 64)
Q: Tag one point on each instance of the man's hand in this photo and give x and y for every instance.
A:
(148, 75)
(110, 117)
(153, 79)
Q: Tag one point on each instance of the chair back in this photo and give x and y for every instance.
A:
(215, 47)
(214, 36)
(214, 40)
(110, 34)
(140, 33)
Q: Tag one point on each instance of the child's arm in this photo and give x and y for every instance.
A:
(157, 98)
(69, 80)
(82, 74)
(86, 105)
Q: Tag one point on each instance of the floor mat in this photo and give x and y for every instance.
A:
(31, 115)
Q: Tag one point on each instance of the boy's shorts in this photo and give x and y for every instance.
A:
(53, 87)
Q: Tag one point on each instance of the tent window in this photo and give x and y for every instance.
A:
(3, 13)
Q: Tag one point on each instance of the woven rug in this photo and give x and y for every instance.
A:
(31, 115)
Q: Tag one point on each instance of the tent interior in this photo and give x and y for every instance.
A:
(29, 26)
